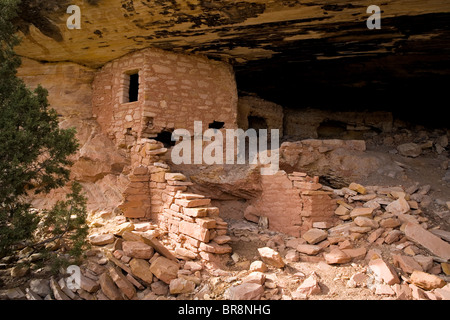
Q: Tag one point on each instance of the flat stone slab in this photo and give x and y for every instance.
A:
(428, 240)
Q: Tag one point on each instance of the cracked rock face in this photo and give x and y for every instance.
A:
(240, 30)
(278, 48)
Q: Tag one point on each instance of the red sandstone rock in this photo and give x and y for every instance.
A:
(356, 253)
(258, 266)
(109, 288)
(313, 236)
(365, 212)
(102, 239)
(402, 291)
(406, 263)
(426, 281)
(271, 257)
(255, 277)
(246, 291)
(384, 289)
(309, 249)
(309, 286)
(213, 247)
(137, 249)
(141, 269)
(362, 221)
(122, 283)
(194, 230)
(384, 271)
(192, 203)
(425, 238)
(164, 269)
(337, 256)
(181, 285)
(398, 206)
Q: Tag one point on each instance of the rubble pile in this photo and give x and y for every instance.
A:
(379, 242)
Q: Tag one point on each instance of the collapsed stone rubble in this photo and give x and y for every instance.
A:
(380, 233)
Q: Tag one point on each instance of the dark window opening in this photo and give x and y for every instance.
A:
(257, 123)
(133, 91)
(216, 125)
(166, 138)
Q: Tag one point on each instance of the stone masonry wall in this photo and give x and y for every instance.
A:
(192, 225)
(292, 203)
(271, 112)
(174, 91)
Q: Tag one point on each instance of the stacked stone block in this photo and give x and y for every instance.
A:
(191, 222)
(292, 203)
(174, 91)
(193, 226)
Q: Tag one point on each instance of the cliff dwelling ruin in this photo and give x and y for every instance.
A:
(363, 148)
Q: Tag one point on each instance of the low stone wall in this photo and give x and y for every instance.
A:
(292, 203)
(154, 193)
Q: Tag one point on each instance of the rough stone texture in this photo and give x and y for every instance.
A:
(141, 269)
(309, 249)
(406, 263)
(109, 288)
(426, 281)
(174, 91)
(271, 257)
(337, 256)
(136, 249)
(300, 207)
(181, 285)
(425, 238)
(313, 236)
(409, 150)
(398, 206)
(309, 286)
(246, 291)
(122, 283)
(258, 266)
(384, 271)
(164, 269)
(257, 107)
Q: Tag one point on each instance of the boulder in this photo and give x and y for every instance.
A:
(337, 256)
(258, 266)
(313, 236)
(271, 257)
(426, 281)
(109, 288)
(137, 249)
(101, 239)
(164, 269)
(141, 269)
(409, 150)
(245, 291)
(181, 285)
(384, 271)
(428, 240)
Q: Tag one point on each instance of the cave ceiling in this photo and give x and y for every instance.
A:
(277, 47)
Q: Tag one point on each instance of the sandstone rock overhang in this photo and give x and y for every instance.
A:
(237, 30)
(276, 47)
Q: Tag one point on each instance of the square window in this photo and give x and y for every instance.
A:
(133, 90)
(130, 86)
